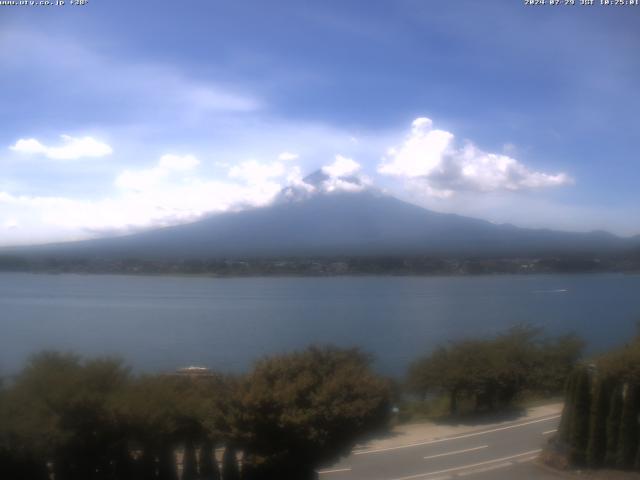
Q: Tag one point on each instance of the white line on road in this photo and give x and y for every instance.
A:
(456, 452)
(335, 470)
(550, 431)
(467, 467)
(474, 434)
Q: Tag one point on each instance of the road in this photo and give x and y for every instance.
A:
(504, 451)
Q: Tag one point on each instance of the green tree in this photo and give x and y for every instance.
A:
(189, 461)
(162, 412)
(613, 426)
(207, 463)
(299, 410)
(564, 429)
(597, 446)
(493, 372)
(557, 357)
(579, 435)
(230, 469)
(628, 434)
(61, 407)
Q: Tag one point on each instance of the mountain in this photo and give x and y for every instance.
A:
(321, 218)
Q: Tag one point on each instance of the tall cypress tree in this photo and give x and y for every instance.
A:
(597, 446)
(208, 465)
(230, 469)
(613, 426)
(567, 413)
(145, 468)
(249, 471)
(167, 463)
(189, 465)
(579, 434)
(628, 436)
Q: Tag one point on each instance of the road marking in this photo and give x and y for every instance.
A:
(335, 470)
(474, 434)
(456, 452)
(550, 431)
(502, 460)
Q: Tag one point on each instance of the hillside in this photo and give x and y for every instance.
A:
(336, 224)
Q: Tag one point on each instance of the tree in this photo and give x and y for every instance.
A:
(18, 460)
(556, 360)
(208, 465)
(596, 448)
(613, 427)
(493, 372)
(628, 434)
(230, 469)
(579, 435)
(189, 461)
(161, 412)
(61, 407)
(439, 372)
(564, 429)
(299, 410)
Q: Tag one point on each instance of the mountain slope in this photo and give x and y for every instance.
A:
(338, 223)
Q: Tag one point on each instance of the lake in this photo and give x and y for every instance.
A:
(161, 323)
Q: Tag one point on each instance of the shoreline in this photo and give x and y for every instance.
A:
(307, 275)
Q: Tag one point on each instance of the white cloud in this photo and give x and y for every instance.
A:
(10, 223)
(342, 177)
(255, 172)
(168, 193)
(336, 184)
(429, 157)
(288, 156)
(145, 179)
(71, 148)
(177, 162)
(421, 152)
(139, 180)
(341, 167)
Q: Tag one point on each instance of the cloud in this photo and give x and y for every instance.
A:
(177, 162)
(341, 167)
(341, 176)
(344, 185)
(288, 156)
(160, 96)
(71, 149)
(10, 224)
(144, 179)
(430, 158)
(254, 172)
(168, 193)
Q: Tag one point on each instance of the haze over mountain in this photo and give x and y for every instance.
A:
(331, 216)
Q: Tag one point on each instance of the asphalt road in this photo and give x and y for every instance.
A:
(499, 452)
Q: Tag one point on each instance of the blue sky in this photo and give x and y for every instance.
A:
(126, 115)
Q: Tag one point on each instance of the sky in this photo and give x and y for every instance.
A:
(119, 116)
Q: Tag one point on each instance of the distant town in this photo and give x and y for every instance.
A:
(327, 266)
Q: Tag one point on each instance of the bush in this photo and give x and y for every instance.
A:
(299, 410)
(494, 372)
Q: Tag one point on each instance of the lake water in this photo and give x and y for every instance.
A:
(161, 323)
